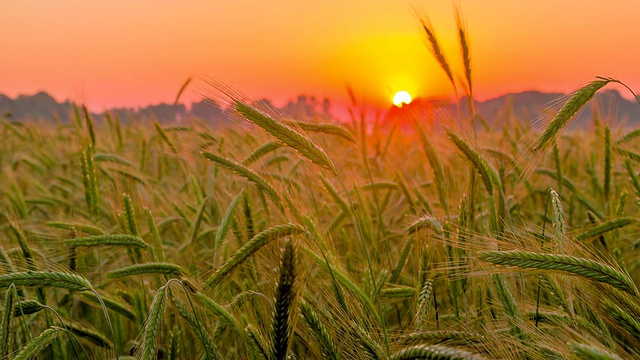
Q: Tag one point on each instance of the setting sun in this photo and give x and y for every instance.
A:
(402, 98)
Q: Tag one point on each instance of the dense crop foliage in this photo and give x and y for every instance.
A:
(274, 239)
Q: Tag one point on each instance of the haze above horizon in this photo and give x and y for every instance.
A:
(127, 54)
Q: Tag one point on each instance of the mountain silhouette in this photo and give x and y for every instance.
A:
(527, 106)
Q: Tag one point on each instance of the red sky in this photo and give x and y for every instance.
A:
(132, 53)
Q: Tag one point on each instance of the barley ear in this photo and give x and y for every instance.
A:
(319, 331)
(210, 349)
(153, 324)
(439, 352)
(463, 37)
(559, 223)
(568, 111)
(253, 245)
(591, 352)
(586, 268)
(5, 321)
(489, 175)
(282, 319)
(35, 346)
(436, 51)
(298, 142)
(248, 174)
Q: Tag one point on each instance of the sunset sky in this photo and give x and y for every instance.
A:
(133, 53)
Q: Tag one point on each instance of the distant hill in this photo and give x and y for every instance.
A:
(524, 106)
(608, 105)
(42, 106)
(527, 106)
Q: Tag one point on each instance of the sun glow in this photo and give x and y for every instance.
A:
(402, 98)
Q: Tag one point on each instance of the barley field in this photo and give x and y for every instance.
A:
(276, 239)
(280, 239)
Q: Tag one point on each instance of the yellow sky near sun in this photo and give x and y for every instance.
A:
(129, 53)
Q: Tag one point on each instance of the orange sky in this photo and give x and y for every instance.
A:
(131, 53)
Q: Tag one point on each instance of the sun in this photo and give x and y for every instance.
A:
(402, 98)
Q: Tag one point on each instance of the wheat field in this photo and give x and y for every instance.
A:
(279, 239)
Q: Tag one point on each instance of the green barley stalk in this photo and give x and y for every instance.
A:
(93, 178)
(402, 260)
(153, 324)
(334, 194)
(426, 222)
(226, 223)
(402, 292)
(556, 160)
(607, 164)
(329, 129)
(129, 215)
(424, 303)
(586, 268)
(257, 344)
(558, 293)
(35, 346)
(156, 240)
(368, 345)
(319, 332)
(558, 222)
(622, 202)
(635, 181)
(175, 346)
(282, 325)
(253, 245)
(89, 334)
(27, 307)
(210, 349)
(624, 320)
(22, 242)
(489, 175)
(407, 195)
(86, 181)
(131, 226)
(317, 238)
(300, 143)
(436, 165)
(628, 136)
(181, 91)
(86, 228)
(568, 111)
(113, 158)
(591, 352)
(5, 321)
(165, 137)
(248, 217)
(442, 336)
(193, 234)
(436, 51)
(146, 268)
(463, 37)
(261, 151)
(434, 352)
(113, 305)
(89, 122)
(629, 154)
(605, 227)
(107, 240)
(248, 174)
(509, 305)
(224, 316)
(45, 279)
